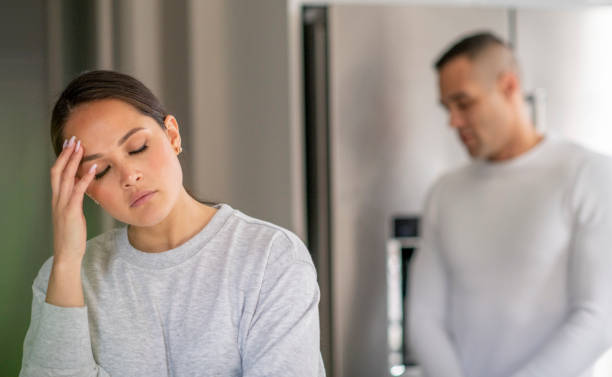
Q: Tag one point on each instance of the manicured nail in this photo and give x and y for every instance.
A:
(71, 142)
(93, 168)
(78, 146)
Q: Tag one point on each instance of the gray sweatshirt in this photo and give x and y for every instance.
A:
(238, 299)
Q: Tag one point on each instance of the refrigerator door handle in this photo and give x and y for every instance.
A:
(398, 354)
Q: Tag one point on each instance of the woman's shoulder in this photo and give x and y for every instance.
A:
(42, 278)
(268, 240)
(101, 248)
(105, 240)
(270, 253)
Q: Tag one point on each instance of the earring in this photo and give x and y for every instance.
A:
(180, 150)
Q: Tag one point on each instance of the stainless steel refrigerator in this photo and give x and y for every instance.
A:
(376, 139)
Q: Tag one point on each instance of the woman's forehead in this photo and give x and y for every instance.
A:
(107, 118)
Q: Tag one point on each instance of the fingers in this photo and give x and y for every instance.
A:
(81, 186)
(69, 174)
(67, 177)
(58, 167)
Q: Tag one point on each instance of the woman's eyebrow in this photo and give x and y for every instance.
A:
(121, 141)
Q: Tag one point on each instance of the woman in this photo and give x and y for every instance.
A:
(183, 289)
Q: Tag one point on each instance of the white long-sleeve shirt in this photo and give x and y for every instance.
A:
(514, 276)
(240, 298)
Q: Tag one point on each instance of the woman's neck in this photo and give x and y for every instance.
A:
(185, 220)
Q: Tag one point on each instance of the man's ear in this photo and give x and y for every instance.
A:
(508, 84)
(172, 132)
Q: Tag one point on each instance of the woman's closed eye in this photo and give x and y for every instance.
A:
(101, 174)
(139, 150)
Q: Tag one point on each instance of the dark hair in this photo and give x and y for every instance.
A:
(97, 85)
(470, 46)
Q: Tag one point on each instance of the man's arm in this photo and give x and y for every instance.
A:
(427, 306)
(583, 337)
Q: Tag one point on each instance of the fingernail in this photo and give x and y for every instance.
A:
(78, 146)
(65, 143)
(93, 168)
(71, 141)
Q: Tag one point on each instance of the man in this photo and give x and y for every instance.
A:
(514, 275)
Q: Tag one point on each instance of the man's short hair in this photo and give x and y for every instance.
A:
(471, 46)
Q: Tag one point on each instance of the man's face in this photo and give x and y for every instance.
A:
(478, 109)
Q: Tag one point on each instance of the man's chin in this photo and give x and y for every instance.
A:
(475, 153)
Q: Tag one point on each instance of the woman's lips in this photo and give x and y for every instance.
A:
(142, 198)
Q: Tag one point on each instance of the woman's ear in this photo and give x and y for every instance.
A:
(173, 134)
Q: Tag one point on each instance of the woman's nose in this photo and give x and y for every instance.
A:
(130, 178)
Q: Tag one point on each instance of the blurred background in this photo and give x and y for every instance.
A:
(320, 116)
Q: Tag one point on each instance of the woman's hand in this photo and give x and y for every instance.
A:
(69, 227)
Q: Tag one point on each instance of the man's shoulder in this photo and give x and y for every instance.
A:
(578, 156)
(571, 148)
(454, 176)
(449, 183)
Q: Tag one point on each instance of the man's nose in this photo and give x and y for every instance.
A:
(456, 119)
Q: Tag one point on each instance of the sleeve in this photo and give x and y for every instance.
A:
(283, 336)
(57, 342)
(583, 337)
(427, 308)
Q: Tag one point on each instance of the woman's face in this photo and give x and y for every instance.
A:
(138, 176)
